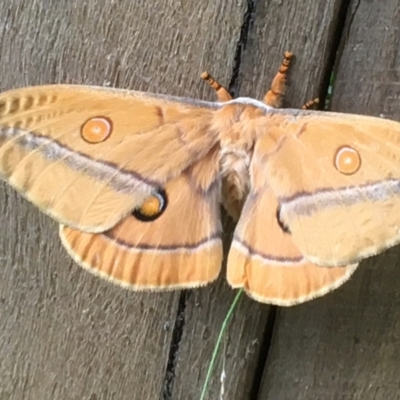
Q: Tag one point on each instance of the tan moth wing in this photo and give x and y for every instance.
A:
(336, 178)
(88, 156)
(264, 260)
(181, 248)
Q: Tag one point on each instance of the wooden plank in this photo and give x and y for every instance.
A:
(65, 334)
(307, 28)
(346, 345)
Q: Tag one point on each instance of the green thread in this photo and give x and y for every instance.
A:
(218, 344)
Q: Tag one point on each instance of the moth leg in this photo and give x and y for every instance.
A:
(310, 103)
(274, 97)
(222, 93)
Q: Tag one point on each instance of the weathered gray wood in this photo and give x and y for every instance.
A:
(307, 28)
(346, 345)
(65, 334)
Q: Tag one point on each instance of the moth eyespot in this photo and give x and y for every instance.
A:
(96, 130)
(152, 208)
(282, 225)
(347, 160)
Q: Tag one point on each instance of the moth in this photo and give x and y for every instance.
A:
(136, 181)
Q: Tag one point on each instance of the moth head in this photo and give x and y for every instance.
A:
(347, 160)
(152, 208)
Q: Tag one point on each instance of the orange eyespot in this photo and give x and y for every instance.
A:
(96, 130)
(152, 208)
(347, 160)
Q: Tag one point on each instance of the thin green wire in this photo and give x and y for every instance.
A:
(218, 344)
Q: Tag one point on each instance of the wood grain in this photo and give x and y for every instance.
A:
(273, 29)
(346, 345)
(64, 333)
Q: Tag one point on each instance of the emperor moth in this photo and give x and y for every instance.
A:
(136, 181)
